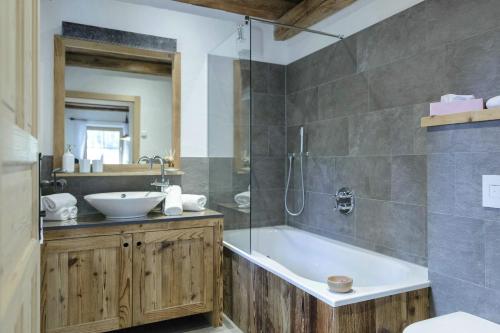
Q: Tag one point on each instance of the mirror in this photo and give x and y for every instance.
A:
(116, 103)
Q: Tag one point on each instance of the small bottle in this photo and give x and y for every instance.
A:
(68, 160)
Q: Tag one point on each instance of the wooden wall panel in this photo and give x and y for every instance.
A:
(258, 301)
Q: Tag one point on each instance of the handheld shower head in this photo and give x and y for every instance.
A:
(301, 133)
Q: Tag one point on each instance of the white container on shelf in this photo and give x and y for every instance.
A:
(84, 165)
(68, 160)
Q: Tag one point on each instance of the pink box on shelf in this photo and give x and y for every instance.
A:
(440, 108)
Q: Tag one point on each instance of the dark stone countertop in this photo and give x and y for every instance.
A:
(99, 220)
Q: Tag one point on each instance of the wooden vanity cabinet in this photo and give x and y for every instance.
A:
(86, 284)
(116, 277)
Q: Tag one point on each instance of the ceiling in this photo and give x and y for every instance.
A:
(301, 13)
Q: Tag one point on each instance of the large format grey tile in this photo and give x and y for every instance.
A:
(321, 215)
(220, 173)
(407, 136)
(260, 140)
(451, 238)
(397, 37)
(450, 20)
(318, 174)
(450, 294)
(328, 137)
(268, 173)
(396, 226)
(441, 183)
(267, 207)
(472, 65)
(276, 79)
(277, 144)
(369, 177)
(409, 179)
(344, 97)
(268, 109)
(196, 177)
(370, 134)
(468, 183)
(492, 254)
(302, 107)
(413, 80)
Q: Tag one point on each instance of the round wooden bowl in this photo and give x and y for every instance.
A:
(340, 284)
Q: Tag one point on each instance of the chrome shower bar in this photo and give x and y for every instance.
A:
(248, 18)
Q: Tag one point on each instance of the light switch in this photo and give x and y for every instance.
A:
(491, 191)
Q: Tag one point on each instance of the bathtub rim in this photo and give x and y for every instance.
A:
(345, 299)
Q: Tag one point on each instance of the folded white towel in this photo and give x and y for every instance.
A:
(455, 98)
(73, 212)
(193, 202)
(62, 214)
(243, 199)
(173, 200)
(54, 202)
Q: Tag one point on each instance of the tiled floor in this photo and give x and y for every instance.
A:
(193, 324)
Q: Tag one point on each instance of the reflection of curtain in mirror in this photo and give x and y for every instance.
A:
(79, 138)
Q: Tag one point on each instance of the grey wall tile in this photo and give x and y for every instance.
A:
(413, 80)
(452, 238)
(369, 177)
(302, 107)
(407, 137)
(409, 179)
(370, 134)
(318, 174)
(395, 226)
(399, 36)
(322, 216)
(492, 254)
(450, 20)
(260, 140)
(266, 208)
(468, 183)
(260, 76)
(268, 173)
(220, 173)
(450, 295)
(277, 79)
(344, 97)
(268, 109)
(277, 144)
(196, 177)
(328, 137)
(441, 183)
(471, 64)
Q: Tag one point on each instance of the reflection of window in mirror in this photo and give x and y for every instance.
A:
(106, 143)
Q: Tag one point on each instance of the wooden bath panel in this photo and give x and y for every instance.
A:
(258, 301)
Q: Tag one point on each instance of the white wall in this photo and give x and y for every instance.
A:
(195, 35)
(156, 100)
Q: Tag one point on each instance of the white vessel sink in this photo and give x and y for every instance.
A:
(125, 205)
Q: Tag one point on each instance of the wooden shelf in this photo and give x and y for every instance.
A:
(461, 118)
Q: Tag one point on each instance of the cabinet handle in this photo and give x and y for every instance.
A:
(125, 244)
(139, 243)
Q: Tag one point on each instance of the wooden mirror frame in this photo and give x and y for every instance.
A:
(64, 45)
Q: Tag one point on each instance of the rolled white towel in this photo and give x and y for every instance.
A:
(54, 202)
(193, 202)
(73, 212)
(173, 200)
(243, 199)
(62, 214)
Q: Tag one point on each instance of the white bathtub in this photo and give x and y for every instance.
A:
(306, 260)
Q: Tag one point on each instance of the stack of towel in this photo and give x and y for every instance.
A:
(59, 207)
(176, 202)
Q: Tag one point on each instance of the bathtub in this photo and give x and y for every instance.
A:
(305, 260)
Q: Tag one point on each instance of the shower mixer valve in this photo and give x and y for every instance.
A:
(344, 201)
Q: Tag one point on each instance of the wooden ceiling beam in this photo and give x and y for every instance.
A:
(307, 13)
(266, 9)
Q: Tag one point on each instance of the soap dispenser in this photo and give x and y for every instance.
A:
(68, 160)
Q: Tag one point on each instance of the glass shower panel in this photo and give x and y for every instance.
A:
(229, 134)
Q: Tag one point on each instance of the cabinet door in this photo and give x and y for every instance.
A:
(173, 274)
(86, 284)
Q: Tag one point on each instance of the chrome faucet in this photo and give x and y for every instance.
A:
(164, 182)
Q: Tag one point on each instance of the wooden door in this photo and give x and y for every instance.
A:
(86, 284)
(173, 274)
(19, 245)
